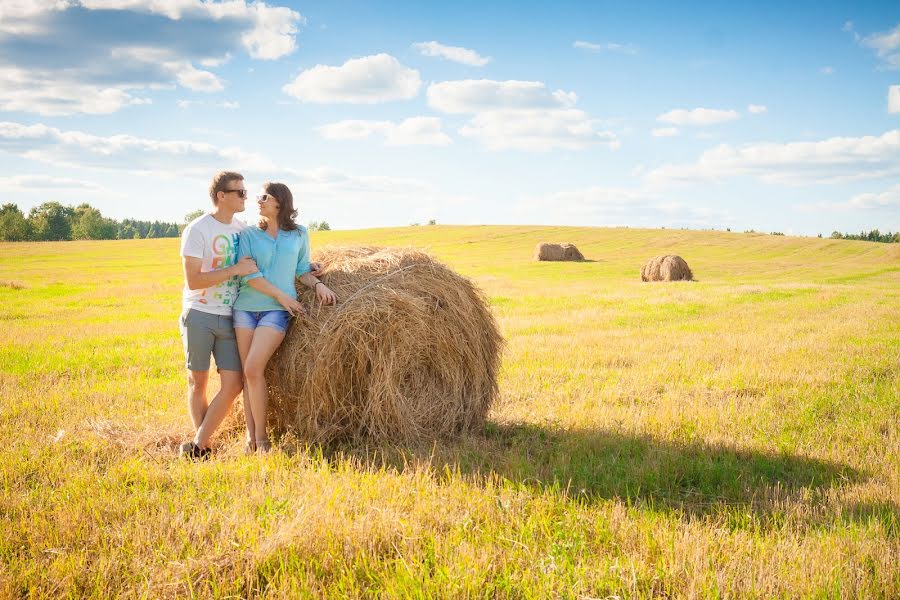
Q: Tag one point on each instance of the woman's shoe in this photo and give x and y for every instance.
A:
(263, 446)
(249, 447)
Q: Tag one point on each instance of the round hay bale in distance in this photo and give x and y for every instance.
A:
(570, 252)
(554, 252)
(410, 352)
(668, 267)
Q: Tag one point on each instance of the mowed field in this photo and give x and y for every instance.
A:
(738, 436)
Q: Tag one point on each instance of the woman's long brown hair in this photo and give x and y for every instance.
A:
(286, 211)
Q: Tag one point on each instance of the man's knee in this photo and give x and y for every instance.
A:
(232, 383)
(197, 380)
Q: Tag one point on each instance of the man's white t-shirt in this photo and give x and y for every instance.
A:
(216, 244)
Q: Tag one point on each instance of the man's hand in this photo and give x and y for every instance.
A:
(315, 269)
(245, 266)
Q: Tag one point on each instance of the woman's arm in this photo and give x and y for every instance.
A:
(291, 305)
(325, 295)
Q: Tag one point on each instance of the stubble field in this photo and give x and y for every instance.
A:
(738, 436)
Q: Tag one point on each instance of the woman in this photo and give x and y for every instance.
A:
(267, 299)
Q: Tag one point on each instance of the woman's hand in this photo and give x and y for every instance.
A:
(325, 295)
(292, 306)
(315, 269)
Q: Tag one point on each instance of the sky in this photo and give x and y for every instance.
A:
(769, 116)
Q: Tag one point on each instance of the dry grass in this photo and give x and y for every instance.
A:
(731, 438)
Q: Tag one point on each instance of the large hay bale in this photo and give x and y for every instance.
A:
(548, 251)
(410, 352)
(668, 267)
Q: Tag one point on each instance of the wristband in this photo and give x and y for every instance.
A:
(317, 283)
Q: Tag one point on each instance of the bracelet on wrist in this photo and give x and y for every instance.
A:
(317, 283)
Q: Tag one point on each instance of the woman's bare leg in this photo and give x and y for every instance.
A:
(263, 345)
(244, 340)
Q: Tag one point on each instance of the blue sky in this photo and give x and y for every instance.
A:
(767, 116)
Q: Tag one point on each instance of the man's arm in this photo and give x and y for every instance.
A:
(200, 281)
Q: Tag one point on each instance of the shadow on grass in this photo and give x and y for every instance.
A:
(692, 479)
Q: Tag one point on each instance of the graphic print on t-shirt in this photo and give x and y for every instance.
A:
(224, 250)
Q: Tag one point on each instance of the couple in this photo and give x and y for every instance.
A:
(238, 298)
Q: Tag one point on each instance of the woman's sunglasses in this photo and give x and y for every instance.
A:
(264, 198)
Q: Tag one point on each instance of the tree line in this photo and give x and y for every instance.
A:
(868, 236)
(51, 221)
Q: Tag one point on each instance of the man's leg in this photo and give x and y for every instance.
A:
(219, 407)
(198, 339)
(228, 361)
(197, 382)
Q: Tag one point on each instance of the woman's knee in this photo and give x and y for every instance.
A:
(254, 371)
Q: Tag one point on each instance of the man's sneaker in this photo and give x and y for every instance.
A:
(192, 451)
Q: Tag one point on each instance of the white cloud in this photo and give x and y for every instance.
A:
(269, 34)
(55, 60)
(200, 81)
(757, 109)
(613, 206)
(886, 46)
(346, 199)
(521, 115)
(608, 46)
(212, 63)
(274, 33)
(665, 132)
(587, 46)
(32, 183)
(415, 131)
(798, 163)
(850, 28)
(45, 93)
(454, 53)
(828, 70)
(538, 130)
(698, 116)
(478, 95)
(889, 198)
(887, 201)
(367, 80)
(230, 105)
(894, 99)
(77, 149)
(342, 198)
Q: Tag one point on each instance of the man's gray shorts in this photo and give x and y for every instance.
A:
(204, 334)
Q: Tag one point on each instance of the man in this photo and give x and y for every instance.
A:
(211, 272)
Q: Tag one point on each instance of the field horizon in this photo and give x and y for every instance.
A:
(735, 436)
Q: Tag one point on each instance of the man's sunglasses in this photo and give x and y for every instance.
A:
(240, 193)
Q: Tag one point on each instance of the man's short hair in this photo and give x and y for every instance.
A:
(220, 183)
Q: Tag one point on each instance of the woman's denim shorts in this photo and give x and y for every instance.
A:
(276, 319)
